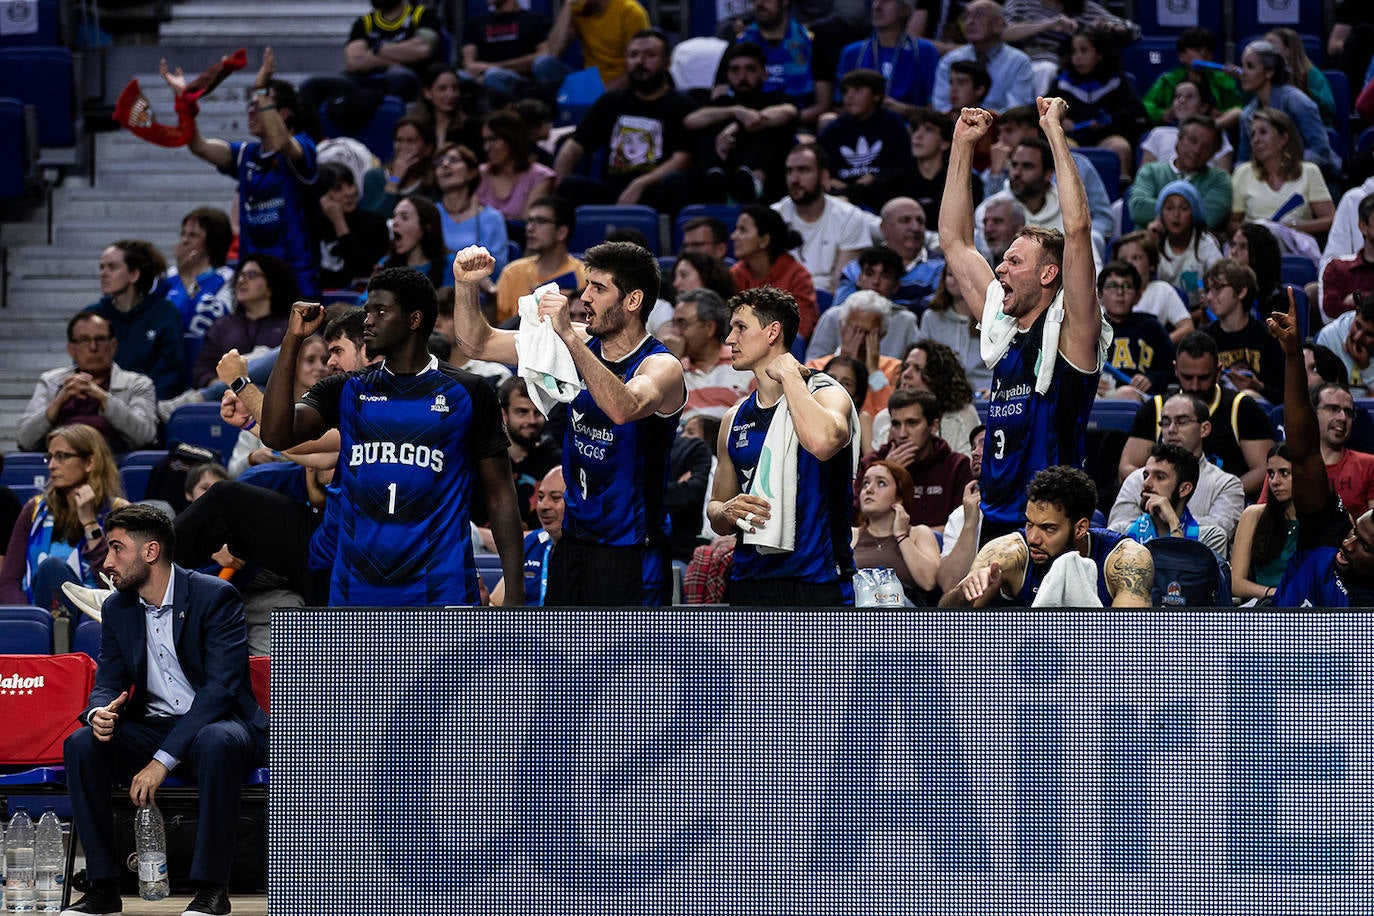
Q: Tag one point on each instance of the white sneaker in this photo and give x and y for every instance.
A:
(87, 600)
(166, 408)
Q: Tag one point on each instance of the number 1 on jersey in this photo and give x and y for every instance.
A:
(391, 499)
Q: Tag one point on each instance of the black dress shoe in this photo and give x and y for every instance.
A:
(213, 900)
(100, 900)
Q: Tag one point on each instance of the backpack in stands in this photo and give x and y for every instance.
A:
(167, 481)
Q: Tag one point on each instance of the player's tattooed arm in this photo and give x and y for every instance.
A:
(1130, 573)
(999, 566)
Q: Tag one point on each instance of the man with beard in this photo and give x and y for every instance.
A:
(793, 548)
(614, 548)
(743, 134)
(1168, 482)
(1043, 296)
(530, 457)
(903, 227)
(1009, 570)
(641, 129)
(833, 230)
(798, 65)
(1198, 141)
(1032, 183)
(1351, 473)
(172, 695)
(415, 436)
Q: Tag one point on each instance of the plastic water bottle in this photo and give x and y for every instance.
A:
(150, 838)
(49, 862)
(19, 864)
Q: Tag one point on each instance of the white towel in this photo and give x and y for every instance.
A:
(1001, 329)
(546, 365)
(1071, 582)
(775, 477)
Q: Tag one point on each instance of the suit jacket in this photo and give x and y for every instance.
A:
(211, 641)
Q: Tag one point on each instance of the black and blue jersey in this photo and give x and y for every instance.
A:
(1101, 543)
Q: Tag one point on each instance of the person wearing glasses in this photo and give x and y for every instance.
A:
(1351, 472)
(549, 223)
(119, 404)
(1142, 353)
(1217, 499)
(60, 533)
(264, 289)
(1249, 359)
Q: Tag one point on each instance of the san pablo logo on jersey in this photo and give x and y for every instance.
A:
(440, 404)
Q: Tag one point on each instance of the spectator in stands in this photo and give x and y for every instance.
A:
(198, 283)
(1170, 479)
(264, 290)
(539, 543)
(832, 230)
(1186, 249)
(940, 473)
(604, 29)
(762, 241)
(410, 171)
(1351, 337)
(1191, 100)
(867, 145)
(1346, 280)
(852, 376)
(549, 224)
(969, 85)
(352, 240)
(1103, 106)
(691, 464)
(641, 130)
(312, 364)
(1001, 224)
(695, 270)
(1198, 140)
(1217, 497)
(419, 238)
(387, 50)
(343, 337)
(742, 135)
(146, 327)
(907, 64)
(466, 220)
(1345, 236)
(510, 176)
(1241, 435)
(861, 328)
(1277, 184)
(1011, 569)
(1141, 349)
(1249, 359)
(1265, 74)
(1030, 184)
(1267, 534)
(885, 536)
(1160, 299)
(707, 235)
(798, 65)
(1256, 247)
(440, 103)
(531, 455)
(701, 322)
(1304, 74)
(1192, 44)
(931, 133)
(1013, 81)
(960, 540)
(1351, 472)
(275, 172)
(93, 391)
(903, 229)
(1333, 565)
(931, 366)
(500, 48)
(172, 693)
(1045, 29)
(949, 322)
(60, 533)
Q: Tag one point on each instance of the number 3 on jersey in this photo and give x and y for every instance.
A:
(1000, 449)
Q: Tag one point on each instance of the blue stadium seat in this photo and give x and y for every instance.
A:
(24, 492)
(1108, 166)
(1148, 58)
(135, 468)
(596, 221)
(1340, 94)
(48, 31)
(201, 424)
(1298, 270)
(26, 612)
(87, 637)
(726, 213)
(25, 637)
(1113, 415)
(376, 133)
(43, 77)
(27, 469)
(1183, 15)
(824, 300)
(18, 147)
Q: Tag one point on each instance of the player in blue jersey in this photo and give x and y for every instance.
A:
(1333, 565)
(1042, 295)
(548, 505)
(1060, 501)
(789, 505)
(414, 436)
(614, 549)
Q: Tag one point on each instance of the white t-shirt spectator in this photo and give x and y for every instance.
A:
(842, 227)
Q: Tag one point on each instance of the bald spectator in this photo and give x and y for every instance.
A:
(1013, 79)
(121, 405)
(833, 231)
(903, 229)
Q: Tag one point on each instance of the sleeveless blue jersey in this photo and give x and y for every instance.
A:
(824, 491)
(616, 473)
(1101, 542)
(1028, 432)
(408, 453)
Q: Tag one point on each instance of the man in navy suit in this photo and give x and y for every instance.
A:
(172, 694)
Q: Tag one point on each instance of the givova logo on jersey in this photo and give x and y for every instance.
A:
(407, 453)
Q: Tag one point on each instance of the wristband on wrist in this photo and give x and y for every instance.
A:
(260, 91)
(249, 425)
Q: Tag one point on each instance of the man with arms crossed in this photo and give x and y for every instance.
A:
(1044, 290)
